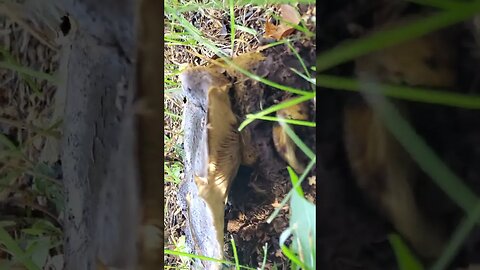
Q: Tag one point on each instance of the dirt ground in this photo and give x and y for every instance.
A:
(352, 232)
(258, 189)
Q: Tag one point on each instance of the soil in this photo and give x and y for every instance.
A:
(257, 189)
(352, 233)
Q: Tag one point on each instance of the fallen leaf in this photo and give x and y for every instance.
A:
(277, 32)
(289, 15)
(270, 29)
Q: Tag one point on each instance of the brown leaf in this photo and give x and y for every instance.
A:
(289, 14)
(270, 29)
(285, 30)
(277, 32)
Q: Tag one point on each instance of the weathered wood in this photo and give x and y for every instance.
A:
(100, 186)
(99, 157)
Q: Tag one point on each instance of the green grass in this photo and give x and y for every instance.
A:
(458, 238)
(406, 259)
(351, 50)
(274, 108)
(13, 248)
(302, 252)
(283, 120)
(210, 45)
(29, 241)
(417, 94)
(28, 71)
(425, 157)
(35, 237)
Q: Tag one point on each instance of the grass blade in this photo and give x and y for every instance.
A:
(382, 39)
(197, 35)
(427, 160)
(458, 238)
(275, 108)
(403, 92)
(28, 71)
(284, 120)
(14, 249)
(405, 258)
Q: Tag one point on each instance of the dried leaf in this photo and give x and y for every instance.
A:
(290, 14)
(277, 32)
(285, 30)
(270, 29)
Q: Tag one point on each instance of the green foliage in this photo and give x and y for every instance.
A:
(302, 229)
(173, 172)
(382, 39)
(274, 108)
(406, 259)
(418, 94)
(33, 244)
(193, 256)
(29, 242)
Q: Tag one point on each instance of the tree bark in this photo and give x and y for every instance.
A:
(100, 214)
(105, 141)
